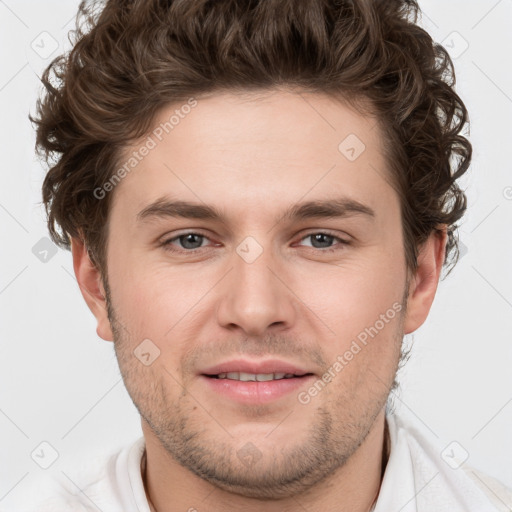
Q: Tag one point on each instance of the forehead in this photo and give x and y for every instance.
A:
(256, 151)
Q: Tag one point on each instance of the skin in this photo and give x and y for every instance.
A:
(253, 156)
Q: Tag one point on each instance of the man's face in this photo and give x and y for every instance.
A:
(257, 286)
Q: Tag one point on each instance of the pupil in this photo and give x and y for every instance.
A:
(188, 240)
(322, 238)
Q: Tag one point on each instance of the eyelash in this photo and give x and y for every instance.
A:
(166, 244)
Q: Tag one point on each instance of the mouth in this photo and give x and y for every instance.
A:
(256, 377)
(250, 382)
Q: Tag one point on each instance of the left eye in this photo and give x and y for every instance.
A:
(323, 240)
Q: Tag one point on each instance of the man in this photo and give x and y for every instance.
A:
(260, 197)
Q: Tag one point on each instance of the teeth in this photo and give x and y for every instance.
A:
(260, 377)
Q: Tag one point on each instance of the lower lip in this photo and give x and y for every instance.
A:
(256, 392)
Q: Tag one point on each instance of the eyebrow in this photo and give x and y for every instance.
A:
(329, 208)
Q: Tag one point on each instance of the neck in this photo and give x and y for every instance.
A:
(354, 487)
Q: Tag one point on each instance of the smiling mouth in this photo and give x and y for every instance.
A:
(257, 377)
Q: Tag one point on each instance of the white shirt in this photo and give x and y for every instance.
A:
(417, 479)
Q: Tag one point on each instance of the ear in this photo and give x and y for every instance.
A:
(423, 284)
(91, 286)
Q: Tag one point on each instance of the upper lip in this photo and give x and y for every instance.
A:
(255, 367)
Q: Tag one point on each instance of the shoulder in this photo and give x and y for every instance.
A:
(443, 470)
(46, 493)
(499, 494)
(105, 482)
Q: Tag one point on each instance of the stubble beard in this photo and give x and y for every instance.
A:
(335, 433)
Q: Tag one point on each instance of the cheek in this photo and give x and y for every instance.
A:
(353, 296)
(364, 309)
(154, 301)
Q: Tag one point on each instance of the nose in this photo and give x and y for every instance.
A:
(254, 297)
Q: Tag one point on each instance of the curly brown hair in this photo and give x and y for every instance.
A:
(133, 57)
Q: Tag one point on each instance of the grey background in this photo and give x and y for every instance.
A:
(60, 384)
